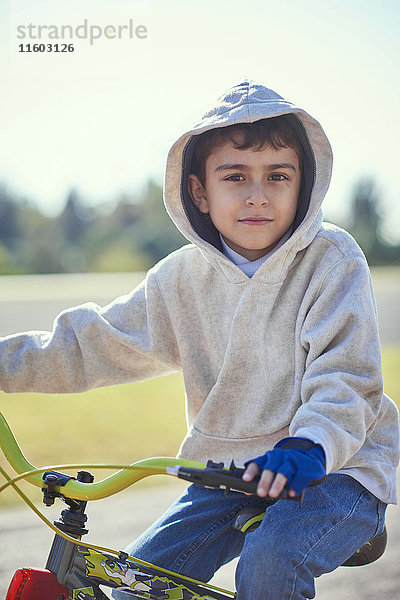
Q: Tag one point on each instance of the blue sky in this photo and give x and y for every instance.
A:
(101, 119)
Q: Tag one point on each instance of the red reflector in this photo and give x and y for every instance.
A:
(35, 584)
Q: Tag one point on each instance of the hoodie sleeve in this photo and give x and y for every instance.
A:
(342, 384)
(129, 340)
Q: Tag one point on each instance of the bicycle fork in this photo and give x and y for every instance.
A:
(64, 575)
(64, 559)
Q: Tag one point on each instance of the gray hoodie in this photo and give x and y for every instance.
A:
(294, 350)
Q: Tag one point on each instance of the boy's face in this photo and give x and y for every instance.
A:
(251, 196)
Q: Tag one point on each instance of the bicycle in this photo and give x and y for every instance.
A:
(75, 570)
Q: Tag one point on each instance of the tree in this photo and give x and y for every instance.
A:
(7, 262)
(157, 236)
(74, 219)
(367, 218)
(9, 219)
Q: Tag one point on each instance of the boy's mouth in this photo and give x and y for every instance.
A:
(255, 220)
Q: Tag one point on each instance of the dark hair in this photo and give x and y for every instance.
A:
(277, 132)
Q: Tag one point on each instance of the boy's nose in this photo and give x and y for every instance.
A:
(257, 197)
(257, 202)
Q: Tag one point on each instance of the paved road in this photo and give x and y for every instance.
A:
(24, 540)
(32, 302)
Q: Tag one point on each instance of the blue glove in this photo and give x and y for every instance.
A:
(299, 459)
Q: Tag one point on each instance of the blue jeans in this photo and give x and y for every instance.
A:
(279, 560)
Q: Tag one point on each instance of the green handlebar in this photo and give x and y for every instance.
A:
(88, 491)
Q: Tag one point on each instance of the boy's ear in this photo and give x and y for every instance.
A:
(198, 193)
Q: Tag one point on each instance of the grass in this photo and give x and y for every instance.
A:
(391, 371)
(119, 424)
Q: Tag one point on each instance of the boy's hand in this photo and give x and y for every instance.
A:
(270, 484)
(293, 461)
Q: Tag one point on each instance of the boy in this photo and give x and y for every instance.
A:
(270, 315)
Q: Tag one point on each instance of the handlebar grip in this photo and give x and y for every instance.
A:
(216, 476)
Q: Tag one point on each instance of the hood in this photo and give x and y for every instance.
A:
(245, 103)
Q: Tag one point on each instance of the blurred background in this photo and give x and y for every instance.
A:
(85, 134)
(84, 139)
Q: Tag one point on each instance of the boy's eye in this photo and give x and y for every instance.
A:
(234, 177)
(277, 177)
